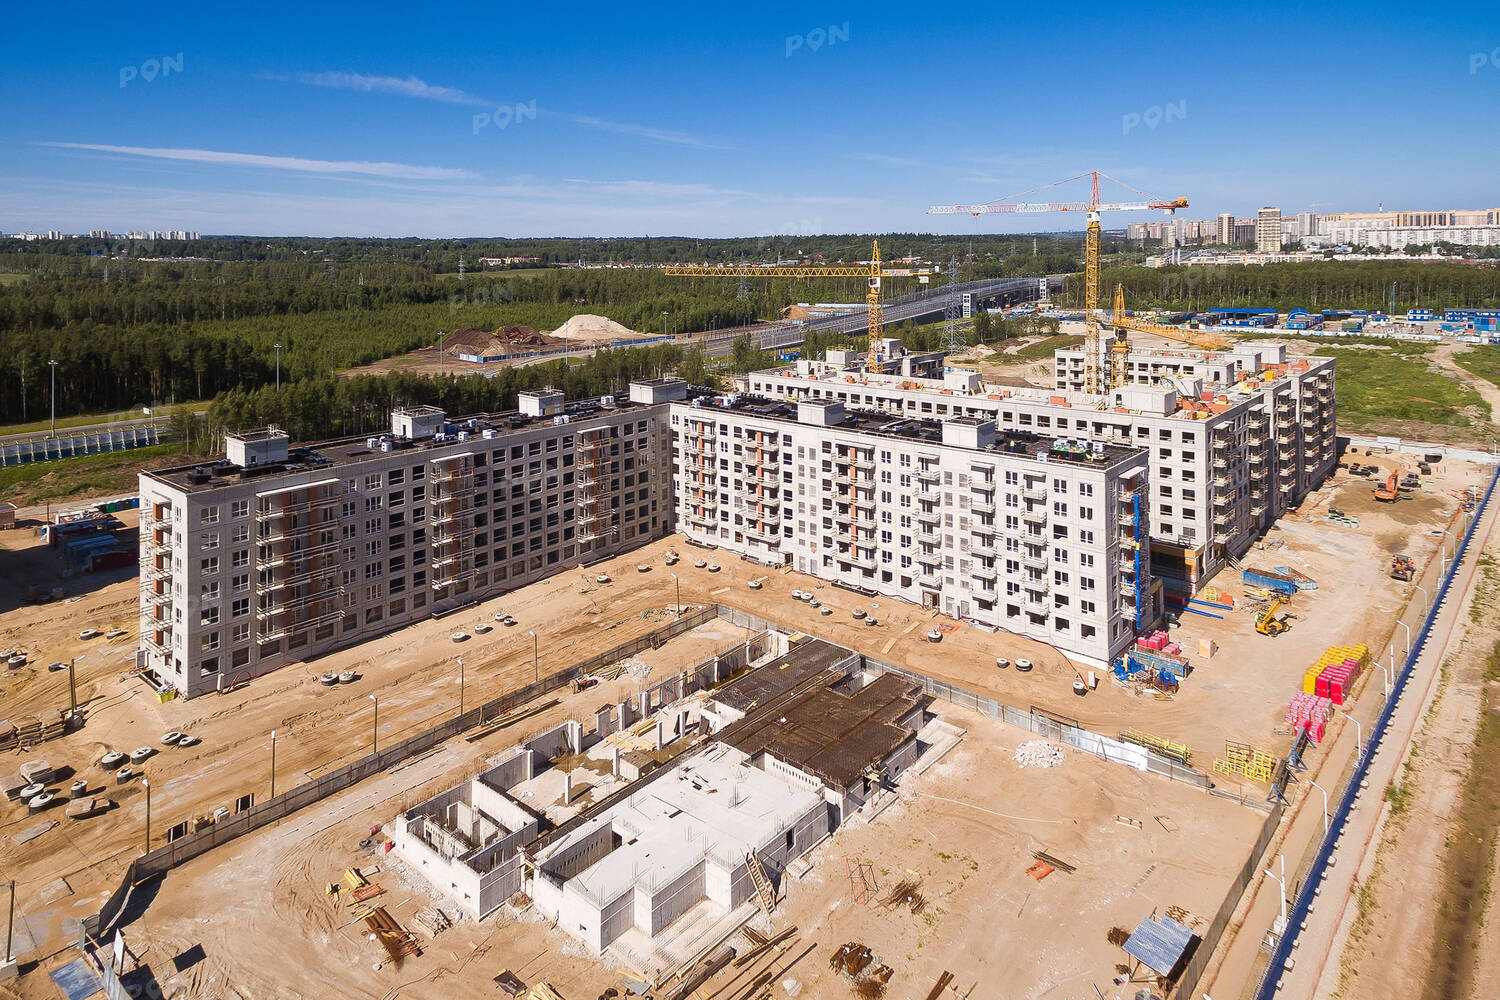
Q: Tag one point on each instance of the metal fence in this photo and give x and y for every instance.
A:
(1270, 980)
(183, 849)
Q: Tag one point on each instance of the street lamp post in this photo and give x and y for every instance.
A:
(1359, 738)
(273, 763)
(1386, 674)
(1408, 635)
(536, 653)
(278, 366)
(1325, 806)
(375, 729)
(53, 365)
(1281, 881)
(1424, 604)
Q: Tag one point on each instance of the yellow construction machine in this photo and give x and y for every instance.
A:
(1266, 623)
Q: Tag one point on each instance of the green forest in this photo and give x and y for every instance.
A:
(1313, 286)
(136, 323)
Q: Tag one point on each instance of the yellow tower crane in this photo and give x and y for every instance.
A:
(1095, 376)
(873, 274)
(1120, 349)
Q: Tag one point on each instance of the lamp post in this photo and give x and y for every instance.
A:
(536, 653)
(273, 763)
(53, 365)
(1408, 635)
(460, 685)
(278, 366)
(679, 592)
(1359, 738)
(664, 324)
(1325, 805)
(1281, 881)
(441, 335)
(1386, 674)
(1424, 606)
(72, 688)
(375, 729)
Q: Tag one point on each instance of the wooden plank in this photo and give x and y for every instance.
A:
(942, 984)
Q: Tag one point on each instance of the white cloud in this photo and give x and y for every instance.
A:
(394, 171)
(644, 131)
(408, 86)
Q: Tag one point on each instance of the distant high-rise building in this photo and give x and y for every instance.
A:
(1244, 230)
(1268, 230)
(1226, 228)
(1307, 224)
(99, 234)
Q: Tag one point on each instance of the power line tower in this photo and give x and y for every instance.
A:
(952, 309)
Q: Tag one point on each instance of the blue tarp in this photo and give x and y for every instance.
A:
(77, 980)
(1159, 944)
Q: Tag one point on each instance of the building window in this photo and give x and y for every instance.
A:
(210, 641)
(242, 633)
(208, 515)
(240, 608)
(240, 508)
(209, 565)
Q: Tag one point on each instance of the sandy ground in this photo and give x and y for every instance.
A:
(967, 841)
(1240, 694)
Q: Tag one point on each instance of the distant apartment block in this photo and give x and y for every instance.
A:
(1042, 536)
(1233, 438)
(276, 554)
(1268, 230)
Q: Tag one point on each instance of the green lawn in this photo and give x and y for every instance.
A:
(111, 472)
(11, 278)
(1042, 349)
(1395, 383)
(1482, 361)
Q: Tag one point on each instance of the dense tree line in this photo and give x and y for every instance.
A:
(335, 406)
(1314, 286)
(140, 322)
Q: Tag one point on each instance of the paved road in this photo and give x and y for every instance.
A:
(98, 428)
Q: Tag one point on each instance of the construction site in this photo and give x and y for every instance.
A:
(890, 875)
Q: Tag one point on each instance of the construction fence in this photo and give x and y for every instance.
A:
(163, 859)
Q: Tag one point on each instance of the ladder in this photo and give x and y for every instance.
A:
(762, 886)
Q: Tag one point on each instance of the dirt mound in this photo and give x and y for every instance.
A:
(503, 340)
(589, 329)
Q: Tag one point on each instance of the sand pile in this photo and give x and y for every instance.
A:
(504, 340)
(589, 329)
(1038, 753)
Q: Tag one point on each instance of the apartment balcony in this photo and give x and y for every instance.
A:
(282, 556)
(986, 571)
(1036, 605)
(1221, 537)
(984, 550)
(1033, 495)
(929, 476)
(157, 598)
(286, 628)
(701, 518)
(162, 647)
(159, 572)
(1038, 516)
(1257, 509)
(271, 511)
(765, 532)
(1127, 587)
(1035, 559)
(864, 560)
(1221, 464)
(1257, 457)
(1223, 518)
(983, 507)
(929, 516)
(932, 558)
(1221, 481)
(312, 600)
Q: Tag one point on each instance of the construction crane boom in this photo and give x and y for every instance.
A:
(872, 272)
(1095, 379)
(1122, 322)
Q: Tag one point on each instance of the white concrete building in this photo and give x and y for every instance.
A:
(277, 554)
(1046, 537)
(684, 835)
(1268, 230)
(1233, 438)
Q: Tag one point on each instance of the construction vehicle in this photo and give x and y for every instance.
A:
(1096, 377)
(1266, 622)
(1403, 568)
(1389, 492)
(873, 273)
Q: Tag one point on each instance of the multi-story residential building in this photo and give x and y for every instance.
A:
(1225, 229)
(1046, 537)
(1234, 438)
(276, 554)
(1268, 230)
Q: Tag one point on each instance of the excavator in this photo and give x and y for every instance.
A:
(1389, 492)
(1266, 623)
(1402, 568)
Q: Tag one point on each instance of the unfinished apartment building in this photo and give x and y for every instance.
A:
(1234, 437)
(772, 763)
(1045, 537)
(278, 553)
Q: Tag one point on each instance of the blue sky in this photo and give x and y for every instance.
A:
(384, 119)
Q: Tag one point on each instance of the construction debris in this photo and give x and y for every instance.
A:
(397, 941)
(432, 920)
(851, 960)
(905, 894)
(1055, 862)
(1038, 753)
(942, 984)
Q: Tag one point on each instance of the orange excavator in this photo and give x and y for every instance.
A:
(1388, 493)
